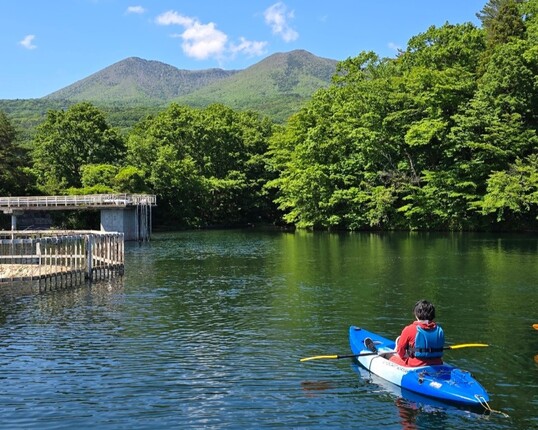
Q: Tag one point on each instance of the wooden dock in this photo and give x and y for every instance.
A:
(49, 259)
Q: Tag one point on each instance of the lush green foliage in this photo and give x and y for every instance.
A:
(206, 165)
(14, 178)
(513, 192)
(67, 141)
(425, 141)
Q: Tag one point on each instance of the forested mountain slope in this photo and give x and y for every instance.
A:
(135, 80)
(276, 86)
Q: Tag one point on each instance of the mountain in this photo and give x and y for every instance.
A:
(276, 86)
(130, 89)
(135, 80)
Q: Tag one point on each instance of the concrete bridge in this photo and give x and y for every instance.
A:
(129, 214)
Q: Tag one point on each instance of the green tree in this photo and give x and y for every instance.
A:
(130, 179)
(14, 179)
(449, 46)
(502, 20)
(514, 192)
(499, 125)
(207, 166)
(329, 156)
(361, 152)
(98, 174)
(489, 12)
(68, 140)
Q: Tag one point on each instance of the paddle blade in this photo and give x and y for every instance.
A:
(535, 326)
(467, 345)
(320, 357)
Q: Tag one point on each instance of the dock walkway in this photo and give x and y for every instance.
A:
(59, 258)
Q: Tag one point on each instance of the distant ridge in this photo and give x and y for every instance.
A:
(138, 80)
(277, 85)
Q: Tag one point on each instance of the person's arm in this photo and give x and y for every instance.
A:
(403, 341)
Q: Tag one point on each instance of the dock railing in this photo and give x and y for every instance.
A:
(59, 258)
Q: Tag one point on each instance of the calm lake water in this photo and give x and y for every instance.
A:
(206, 330)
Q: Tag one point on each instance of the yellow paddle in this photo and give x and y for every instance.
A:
(466, 345)
(338, 357)
(535, 326)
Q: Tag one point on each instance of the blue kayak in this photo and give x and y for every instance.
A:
(442, 382)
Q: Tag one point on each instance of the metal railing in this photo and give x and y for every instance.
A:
(60, 258)
(8, 204)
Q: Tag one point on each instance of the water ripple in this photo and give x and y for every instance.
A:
(206, 329)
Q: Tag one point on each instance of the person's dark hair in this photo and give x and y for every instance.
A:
(424, 310)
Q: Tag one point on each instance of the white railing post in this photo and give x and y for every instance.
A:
(89, 255)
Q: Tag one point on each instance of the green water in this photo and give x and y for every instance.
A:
(206, 329)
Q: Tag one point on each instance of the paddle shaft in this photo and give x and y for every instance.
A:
(338, 357)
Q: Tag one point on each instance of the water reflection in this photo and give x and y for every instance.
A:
(206, 329)
(408, 415)
(311, 387)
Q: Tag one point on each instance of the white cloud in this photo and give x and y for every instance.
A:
(203, 41)
(277, 17)
(173, 18)
(248, 47)
(135, 9)
(27, 42)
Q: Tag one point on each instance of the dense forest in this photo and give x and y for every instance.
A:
(441, 137)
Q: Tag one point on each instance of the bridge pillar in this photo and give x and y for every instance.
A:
(14, 215)
(133, 222)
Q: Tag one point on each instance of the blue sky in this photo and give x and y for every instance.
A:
(47, 45)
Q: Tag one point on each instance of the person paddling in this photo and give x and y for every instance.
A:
(421, 342)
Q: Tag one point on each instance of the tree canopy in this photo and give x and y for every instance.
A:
(68, 140)
(207, 165)
(14, 178)
(420, 141)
